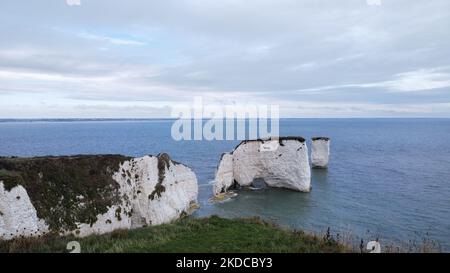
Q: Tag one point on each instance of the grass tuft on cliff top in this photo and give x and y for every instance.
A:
(196, 235)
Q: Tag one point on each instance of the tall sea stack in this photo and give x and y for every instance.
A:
(281, 162)
(320, 152)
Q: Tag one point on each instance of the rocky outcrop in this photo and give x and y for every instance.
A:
(224, 174)
(320, 152)
(281, 163)
(85, 195)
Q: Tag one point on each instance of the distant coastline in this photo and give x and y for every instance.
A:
(4, 120)
(81, 119)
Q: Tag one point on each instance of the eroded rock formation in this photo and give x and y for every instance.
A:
(279, 162)
(84, 195)
(320, 152)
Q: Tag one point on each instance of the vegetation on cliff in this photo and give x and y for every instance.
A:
(58, 185)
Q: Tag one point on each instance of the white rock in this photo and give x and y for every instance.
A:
(106, 222)
(224, 174)
(281, 163)
(156, 201)
(152, 190)
(320, 152)
(18, 216)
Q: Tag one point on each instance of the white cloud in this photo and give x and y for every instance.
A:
(255, 53)
(372, 59)
(112, 40)
(418, 80)
(304, 66)
(315, 65)
(73, 2)
(423, 79)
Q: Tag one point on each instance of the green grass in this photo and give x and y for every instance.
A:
(211, 234)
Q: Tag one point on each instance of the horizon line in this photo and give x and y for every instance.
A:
(170, 118)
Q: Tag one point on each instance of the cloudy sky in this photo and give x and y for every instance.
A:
(110, 58)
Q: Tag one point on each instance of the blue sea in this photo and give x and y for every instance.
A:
(387, 178)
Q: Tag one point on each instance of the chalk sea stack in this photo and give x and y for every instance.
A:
(280, 162)
(86, 194)
(320, 152)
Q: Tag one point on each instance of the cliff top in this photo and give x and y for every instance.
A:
(59, 183)
(320, 138)
(280, 140)
(212, 235)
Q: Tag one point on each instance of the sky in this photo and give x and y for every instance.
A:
(139, 59)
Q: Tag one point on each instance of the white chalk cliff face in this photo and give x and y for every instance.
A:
(281, 163)
(149, 190)
(160, 189)
(320, 152)
(17, 215)
(224, 174)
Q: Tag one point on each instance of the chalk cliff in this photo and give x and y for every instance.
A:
(85, 195)
(320, 152)
(279, 162)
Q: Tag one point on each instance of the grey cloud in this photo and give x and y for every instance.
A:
(319, 51)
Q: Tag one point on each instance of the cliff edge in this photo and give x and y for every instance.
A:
(92, 194)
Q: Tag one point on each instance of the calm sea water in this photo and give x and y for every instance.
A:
(388, 178)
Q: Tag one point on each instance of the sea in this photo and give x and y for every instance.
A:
(388, 179)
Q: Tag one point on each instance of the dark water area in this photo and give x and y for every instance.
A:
(387, 178)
